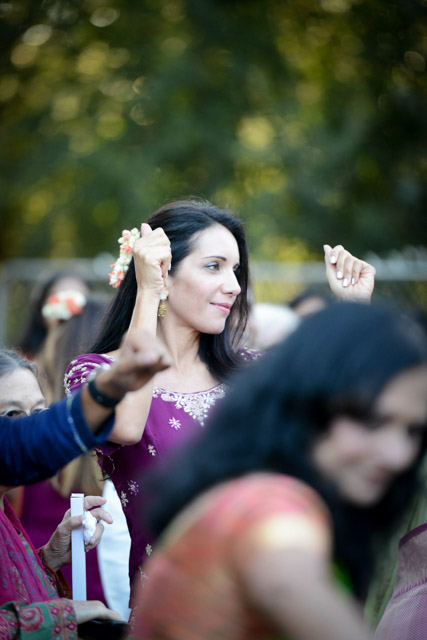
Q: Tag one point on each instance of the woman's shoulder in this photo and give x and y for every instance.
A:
(276, 489)
(253, 497)
(81, 367)
(277, 509)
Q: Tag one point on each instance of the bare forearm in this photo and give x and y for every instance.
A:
(94, 413)
(131, 416)
(296, 592)
(144, 314)
(321, 612)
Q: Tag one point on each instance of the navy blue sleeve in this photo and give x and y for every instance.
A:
(36, 447)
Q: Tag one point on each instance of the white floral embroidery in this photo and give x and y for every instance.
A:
(197, 405)
(174, 423)
(152, 450)
(148, 549)
(83, 369)
(124, 499)
(133, 487)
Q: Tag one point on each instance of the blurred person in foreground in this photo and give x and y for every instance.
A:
(278, 504)
(308, 301)
(269, 324)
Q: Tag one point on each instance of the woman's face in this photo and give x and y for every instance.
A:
(20, 394)
(205, 286)
(68, 283)
(362, 459)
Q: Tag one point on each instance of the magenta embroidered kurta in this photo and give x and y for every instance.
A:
(173, 420)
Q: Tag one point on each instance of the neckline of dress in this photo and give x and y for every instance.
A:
(219, 386)
(179, 393)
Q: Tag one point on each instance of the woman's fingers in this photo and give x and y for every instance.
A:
(347, 267)
(93, 501)
(145, 229)
(96, 538)
(90, 609)
(101, 514)
(357, 269)
(152, 255)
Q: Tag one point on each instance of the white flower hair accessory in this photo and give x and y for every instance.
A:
(120, 267)
(63, 305)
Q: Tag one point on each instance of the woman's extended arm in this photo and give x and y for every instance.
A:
(152, 257)
(294, 589)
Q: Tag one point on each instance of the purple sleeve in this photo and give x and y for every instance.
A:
(81, 367)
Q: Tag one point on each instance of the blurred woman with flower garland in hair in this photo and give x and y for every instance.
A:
(39, 323)
(55, 300)
(184, 278)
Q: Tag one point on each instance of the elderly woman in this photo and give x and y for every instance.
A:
(33, 595)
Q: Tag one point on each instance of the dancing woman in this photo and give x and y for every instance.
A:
(188, 284)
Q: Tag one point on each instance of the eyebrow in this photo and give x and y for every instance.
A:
(218, 257)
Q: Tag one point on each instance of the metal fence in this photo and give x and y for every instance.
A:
(402, 278)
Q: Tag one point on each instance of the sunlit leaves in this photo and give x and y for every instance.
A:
(308, 118)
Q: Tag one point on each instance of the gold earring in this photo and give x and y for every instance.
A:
(161, 311)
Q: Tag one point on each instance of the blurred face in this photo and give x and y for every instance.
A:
(20, 394)
(205, 286)
(68, 283)
(362, 459)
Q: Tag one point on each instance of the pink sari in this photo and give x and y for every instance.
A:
(29, 599)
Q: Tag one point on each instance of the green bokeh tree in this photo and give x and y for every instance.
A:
(309, 118)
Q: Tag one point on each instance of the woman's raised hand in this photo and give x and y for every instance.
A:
(349, 278)
(152, 257)
(58, 550)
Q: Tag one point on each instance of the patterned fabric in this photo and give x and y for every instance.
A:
(381, 588)
(54, 620)
(29, 601)
(195, 586)
(173, 420)
(405, 617)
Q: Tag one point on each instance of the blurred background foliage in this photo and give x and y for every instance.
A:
(309, 118)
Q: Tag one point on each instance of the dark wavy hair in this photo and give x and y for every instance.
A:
(181, 221)
(35, 330)
(336, 363)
